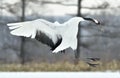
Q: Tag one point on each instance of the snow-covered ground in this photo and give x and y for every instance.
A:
(60, 75)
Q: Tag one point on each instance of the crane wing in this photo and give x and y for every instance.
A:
(39, 29)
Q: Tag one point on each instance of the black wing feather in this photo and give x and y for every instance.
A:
(46, 40)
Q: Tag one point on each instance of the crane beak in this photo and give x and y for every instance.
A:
(96, 21)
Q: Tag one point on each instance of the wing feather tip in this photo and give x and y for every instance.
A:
(8, 24)
(54, 52)
(11, 24)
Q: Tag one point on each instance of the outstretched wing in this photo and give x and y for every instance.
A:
(39, 29)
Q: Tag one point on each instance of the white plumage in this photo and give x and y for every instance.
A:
(57, 36)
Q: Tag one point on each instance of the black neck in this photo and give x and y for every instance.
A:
(91, 19)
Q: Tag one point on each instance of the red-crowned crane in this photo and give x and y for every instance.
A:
(58, 36)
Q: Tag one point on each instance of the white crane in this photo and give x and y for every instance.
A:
(58, 36)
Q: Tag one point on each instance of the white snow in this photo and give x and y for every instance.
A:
(10, 1)
(99, 3)
(59, 75)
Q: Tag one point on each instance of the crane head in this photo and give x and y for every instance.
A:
(92, 19)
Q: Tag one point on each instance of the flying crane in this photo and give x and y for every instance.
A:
(57, 36)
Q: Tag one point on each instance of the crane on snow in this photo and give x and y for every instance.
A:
(58, 36)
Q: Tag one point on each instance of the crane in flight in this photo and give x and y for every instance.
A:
(57, 36)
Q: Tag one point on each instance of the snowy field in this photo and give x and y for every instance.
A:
(60, 75)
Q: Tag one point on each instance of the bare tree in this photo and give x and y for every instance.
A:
(79, 8)
(22, 53)
(77, 53)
